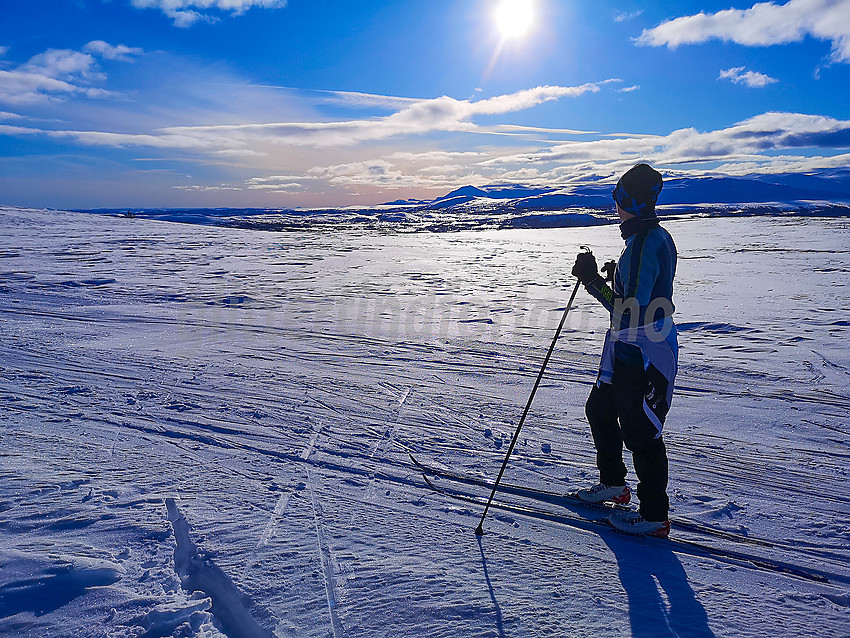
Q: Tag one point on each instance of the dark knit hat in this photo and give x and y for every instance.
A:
(637, 191)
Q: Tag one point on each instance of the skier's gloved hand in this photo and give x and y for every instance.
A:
(608, 268)
(585, 268)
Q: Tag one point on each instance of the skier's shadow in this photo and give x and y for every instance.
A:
(645, 572)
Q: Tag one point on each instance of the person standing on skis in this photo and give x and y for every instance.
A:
(630, 399)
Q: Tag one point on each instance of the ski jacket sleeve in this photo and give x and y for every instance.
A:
(602, 292)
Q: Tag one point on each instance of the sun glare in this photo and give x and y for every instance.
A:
(514, 17)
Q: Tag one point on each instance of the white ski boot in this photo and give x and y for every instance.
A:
(600, 493)
(633, 523)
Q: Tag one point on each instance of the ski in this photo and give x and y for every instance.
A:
(601, 525)
(570, 499)
(554, 498)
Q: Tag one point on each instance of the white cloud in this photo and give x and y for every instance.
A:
(524, 99)
(381, 173)
(398, 150)
(63, 64)
(623, 16)
(18, 87)
(629, 89)
(202, 188)
(367, 100)
(112, 52)
(442, 114)
(753, 79)
(527, 130)
(737, 150)
(435, 156)
(275, 187)
(764, 24)
(417, 118)
(7, 129)
(784, 164)
(98, 93)
(746, 141)
(240, 152)
(769, 132)
(57, 73)
(277, 179)
(101, 138)
(184, 13)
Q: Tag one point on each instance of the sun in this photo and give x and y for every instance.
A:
(514, 17)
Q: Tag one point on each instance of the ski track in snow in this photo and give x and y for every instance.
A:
(326, 559)
(272, 384)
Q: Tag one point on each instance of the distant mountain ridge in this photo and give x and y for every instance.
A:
(833, 186)
(524, 206)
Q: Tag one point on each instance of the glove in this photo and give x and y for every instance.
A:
(609, 268)
(585, 268)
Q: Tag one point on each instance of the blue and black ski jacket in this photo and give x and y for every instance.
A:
(643, 280)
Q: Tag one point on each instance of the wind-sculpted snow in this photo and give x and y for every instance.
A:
(195, 416)
(37, 584)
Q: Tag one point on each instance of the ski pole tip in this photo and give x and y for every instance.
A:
(479, 531)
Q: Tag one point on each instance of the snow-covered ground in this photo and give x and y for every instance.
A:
(205, 430)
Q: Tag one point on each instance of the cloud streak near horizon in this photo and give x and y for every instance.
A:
(737, 150)
(768, 132)
(764, 143)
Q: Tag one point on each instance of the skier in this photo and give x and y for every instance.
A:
(631, 397)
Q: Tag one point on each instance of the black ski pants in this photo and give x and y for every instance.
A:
(616, 417)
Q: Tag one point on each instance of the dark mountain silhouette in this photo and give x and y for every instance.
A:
(832, 186)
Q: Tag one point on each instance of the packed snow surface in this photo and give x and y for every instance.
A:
(205, 431)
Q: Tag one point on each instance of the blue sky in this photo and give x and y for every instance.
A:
(139, 103)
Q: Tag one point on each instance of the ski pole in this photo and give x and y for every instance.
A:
(479, 531)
